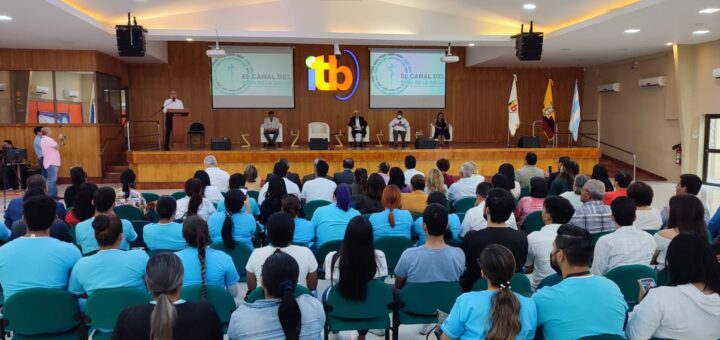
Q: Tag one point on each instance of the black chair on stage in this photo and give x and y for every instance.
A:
(196, 129)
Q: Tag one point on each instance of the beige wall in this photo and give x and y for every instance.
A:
(5, 99)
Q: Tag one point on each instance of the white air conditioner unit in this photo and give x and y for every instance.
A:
(41, 89)
(3, 87)
(611, 87)
(652, 81)
(71, 93)
(716, 73)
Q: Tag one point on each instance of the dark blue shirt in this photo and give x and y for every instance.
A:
(14, 211)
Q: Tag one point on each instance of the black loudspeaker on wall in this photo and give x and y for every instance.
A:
(319, 144)
(425, 143)
(130, 40)
(528, 142)
(528, 45)
(220, 144)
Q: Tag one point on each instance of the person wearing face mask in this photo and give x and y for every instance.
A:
(582, 304)
(399, 126)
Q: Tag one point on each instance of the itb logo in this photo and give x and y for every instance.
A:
(339, 78)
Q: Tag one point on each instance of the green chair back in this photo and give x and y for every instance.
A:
(420, 301)
(104, 306)
(152, 216)
(240, 256)
(42, 313)
(550, 281)
(128, 212)
(626, 277)
(372, 313)
(597, 236)
(415, 216)
(220, 298)
(518, 284)
(651, 231)
(454, 242)
(178, 195)
(663, 277)
(138, 225)
(524, 191)
(254, 194)
(604, 337)
(464, 204)
(153, 252)
(461, 216)
(324, 250)
(258, 294)
(533, 222)
(310, 207)
(393, 247)
(367, 215)
(150, 197)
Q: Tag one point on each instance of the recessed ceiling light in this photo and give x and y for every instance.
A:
(708, 10)
(632, 30)
(529, 7)
(471, 44)
(700, 32)
(5, 18)
(668, 44)
(188, 39)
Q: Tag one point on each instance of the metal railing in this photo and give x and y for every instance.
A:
(128, 132)
(634, 158)
(594, 122)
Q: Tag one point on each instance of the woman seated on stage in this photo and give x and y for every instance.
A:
(393, 221)
(397, 177)
(127, 194)
(441, 127)
(209, 191)
(331, 220)
(234, 225)
(369, 200)
(194, 203)
(251, 178)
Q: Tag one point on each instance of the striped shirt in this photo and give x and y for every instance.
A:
(593, 216)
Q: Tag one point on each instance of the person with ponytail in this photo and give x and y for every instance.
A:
(210, 192)
(167, 316)
(166, 234)
(83, 207)
(281, 314)
(393, 221)
(237, 181)
(272, 201)
(331, 220)
(203, 265)
(496, 313)
(234, 225)
(194, 203)
(127, 194)
(304, 229)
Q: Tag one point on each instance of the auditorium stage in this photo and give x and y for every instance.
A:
(170, 169)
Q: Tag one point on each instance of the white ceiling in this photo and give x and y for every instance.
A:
(577, 32)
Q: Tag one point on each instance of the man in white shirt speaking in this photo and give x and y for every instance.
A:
(271, 128)
(170, 103)
(218, 177)
(319, 188)
(399, 126)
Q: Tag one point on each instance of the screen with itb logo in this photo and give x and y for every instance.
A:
(407, 78)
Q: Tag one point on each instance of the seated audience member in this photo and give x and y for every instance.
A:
(622, 181)
(714, 224)
(397, 177)
(600, 173)
(362, 263)
(281, 170)
(689, 184)
(127, 194)
(252, 182)
(453, 231)
(77, 176)
(498, 208)
(194, 204)
(530, 204)
(280, 314)
(83, 206)
(564, 181)
(509, 171)
(415, 200)
(291, 176)
(553, 175)
(361, 177)
(59, 229)
(312, 176)
(218, 177)
(444, 166)
(237, 181)
(466, 185)
(686, 216)
(500, 181)
(574, 196)
(319, 188)
(346, 176)
(14, 210)
(304, 229)
(204, 265)
(475, 216)
(272, 203)
(104, 199)
(646, 217)
(625, 246)
(331, 220)
(689, 308)
(582, 304)
(393, 221)
(494, 313)
(110, 267)
(234, 225)
(410, 163)
(370, 199)
(527, 172)
(166, 234)
(210, 192)
(434, 261)
(384, 170)
(435, 182)
(167, 316)
(36, 260)
(556, 211)
(593, 215)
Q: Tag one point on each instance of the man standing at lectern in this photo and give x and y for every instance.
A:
(170, 103)
(358, 125)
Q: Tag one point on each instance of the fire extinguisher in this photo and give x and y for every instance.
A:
(678, 153)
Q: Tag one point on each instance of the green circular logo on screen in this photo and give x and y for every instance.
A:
(388, 73)
(232, 75)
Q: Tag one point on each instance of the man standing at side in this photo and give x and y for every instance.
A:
(38, 150)
(271, 128)
(50, 150)
(524, 174)
(174, 104)
(218, 177)
(358, 126)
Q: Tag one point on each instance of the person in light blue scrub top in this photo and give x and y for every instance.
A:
(331, 220)
(304, 229)
(36, 260)
(110, 267)
(392, 221)
(454, 225)
(233, 225)
(204, 265)
(166, 234)
(104, 199)
(237, 181)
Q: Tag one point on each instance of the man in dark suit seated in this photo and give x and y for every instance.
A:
(346, 176)
(359, 127)
(292, 176)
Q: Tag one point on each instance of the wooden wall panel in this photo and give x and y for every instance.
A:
(62, 60)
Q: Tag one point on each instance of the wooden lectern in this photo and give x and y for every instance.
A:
(179, 131)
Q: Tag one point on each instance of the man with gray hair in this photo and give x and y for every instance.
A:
(593, 215)
(574, 196)
(466, 185)
(218, 177)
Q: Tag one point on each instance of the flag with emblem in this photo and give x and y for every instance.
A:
(549, 112)
(513, 109)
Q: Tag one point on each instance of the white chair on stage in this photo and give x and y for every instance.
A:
(408, 133)
(318, 130)
(264, 140)
(450, 128)
(365, 139)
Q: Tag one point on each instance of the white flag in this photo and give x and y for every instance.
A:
(513, 109)
(574, 125)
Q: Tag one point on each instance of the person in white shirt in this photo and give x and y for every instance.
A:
(574, 196)
(319, 188)
(466, 185)
(170, 103)
(410, 171)
(271, 127)
(556, 212)
(625, 246)
(280, 169)
(475, 216)
(218, 177)
(399, 126)
(194, 203)
(646, 217)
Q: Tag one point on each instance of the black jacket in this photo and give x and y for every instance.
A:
(363, 123)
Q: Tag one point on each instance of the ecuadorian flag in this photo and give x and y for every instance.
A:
(549, 112)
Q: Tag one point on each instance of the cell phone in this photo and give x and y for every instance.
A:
(647, 283)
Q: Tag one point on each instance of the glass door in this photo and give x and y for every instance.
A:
(711, 154)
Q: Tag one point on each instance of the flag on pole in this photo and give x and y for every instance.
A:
(513, 109)
(549, 112)
(574, 125)
(93, 115)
